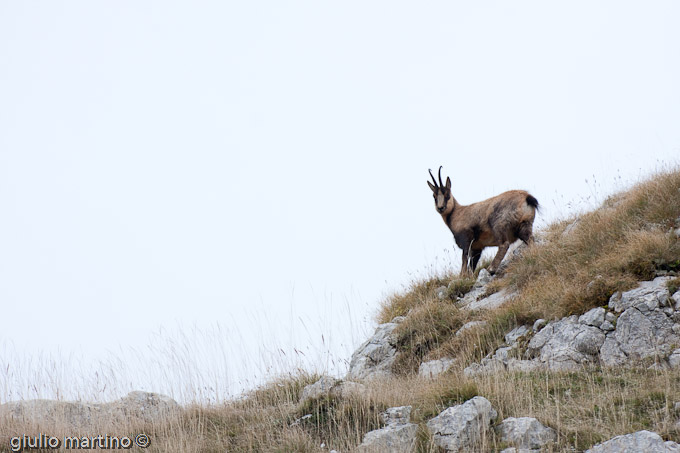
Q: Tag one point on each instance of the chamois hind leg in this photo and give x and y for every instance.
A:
(476, 255)
(525, 232)
(502, 250)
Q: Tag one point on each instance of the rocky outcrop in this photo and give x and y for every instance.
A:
(641, 441)
(566, 344)
(434, 368)
(462, 427)
(648, 326)
(399, 435)
(327, 385)
(477, 298)
(140, 406)
(525, 433)
(374, 358)
(642, 324)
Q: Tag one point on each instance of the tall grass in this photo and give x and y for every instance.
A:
(576, 264)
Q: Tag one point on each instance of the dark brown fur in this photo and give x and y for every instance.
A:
(498, 221)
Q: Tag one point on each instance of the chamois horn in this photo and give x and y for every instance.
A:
(433, 180)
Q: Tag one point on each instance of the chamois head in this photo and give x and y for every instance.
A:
(441, 192)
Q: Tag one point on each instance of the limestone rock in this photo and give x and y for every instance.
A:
(641, 335)
(674, 359)
(594, 317)
(142, 406)
(539, 324)
(374, 358)
(434, 368)
(398, 436)
(330, 386)
(525, 432)
(641, 441)
(652, 294)
(462, 427)
(470, 325)
(516, 333)
(320, 388)
(567, 344)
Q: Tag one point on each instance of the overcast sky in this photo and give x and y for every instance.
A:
(257, 170)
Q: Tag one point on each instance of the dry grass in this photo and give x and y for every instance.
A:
(606, 250)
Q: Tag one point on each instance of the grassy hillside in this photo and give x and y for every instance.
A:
(576, 264)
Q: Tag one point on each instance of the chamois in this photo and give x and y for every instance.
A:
(498, 221)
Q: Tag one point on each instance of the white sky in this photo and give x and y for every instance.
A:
(259, 168)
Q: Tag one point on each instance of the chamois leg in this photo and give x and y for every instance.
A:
(464, 269)
(476, 255)
(525, 232)
(502, 250)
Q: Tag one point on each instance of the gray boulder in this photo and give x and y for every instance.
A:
(333, 387)
(398, 436)
(374, 358)
(642, 334)
(594, 317)
(140, 406)
(434, 368)
(470, 325)
(649, 295)
(566, 344)
(674, 359)
(516, 333)
(320, 388)
(462, 427)
(641, 441)
(525, 432)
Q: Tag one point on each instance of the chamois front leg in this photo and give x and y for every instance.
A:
(464, 269)
(502, 250)
(476, 255)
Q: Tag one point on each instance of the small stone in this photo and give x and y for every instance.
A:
(442, 293)
(607, 326)
(641, 441)
(609, 316)
(397, 415)
(539, 324)
(460, 427)
(434, 368)
(594, 317)
(321, 387)
(525, 432)
(515, 334)
(674, 359)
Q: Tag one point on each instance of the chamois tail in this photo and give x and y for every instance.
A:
(533, 202)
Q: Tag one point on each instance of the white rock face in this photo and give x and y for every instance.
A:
(525, 432)
(594, 317)
(462, 427)
(320, 388)
(641, 441)
(674, 359)
(374, 358)
(330, 386)
(142, 406)
(652, 294)
(470, 325)
(516, 333)
(398, 436)
(567, 344)
(434, 368)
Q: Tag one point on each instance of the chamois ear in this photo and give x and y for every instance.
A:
(434, 189)
(448, 183)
